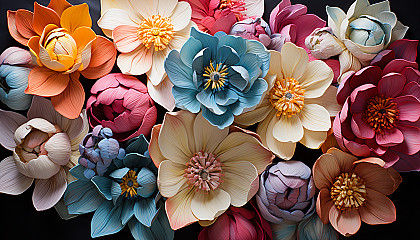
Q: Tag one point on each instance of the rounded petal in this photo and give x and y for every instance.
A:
(11, 180)
(313, 139)
(288, 129)
(178, 209)
(316, 79)
(208, 206)
(345, 160)
(10, 123)
(181, 15)
(325, 170)
(39, 168)
(378, 209)
(315, 117)
(323, 205)
(11, 23)
(345, 222)
(294, 61)
(157, 71)
(102, 59)
(171, 178)
(113, 18)
(136, 62)
(24, 26)
(42, 17)
(76, 16)
(59, 148)
(70, 102)
(46, 83)
(126, 38)
(48, 192)
(207, 137)
(376, 177)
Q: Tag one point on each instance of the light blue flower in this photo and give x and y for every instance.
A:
(221, 75)
(13, 82)
(368, 31)
(126, 194)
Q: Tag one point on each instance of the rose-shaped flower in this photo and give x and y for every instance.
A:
(353, 190)
(126, 194)
(44, 148)
(221, 75)
(65, 46)
(298, 104)
(365, 31)
(206, 169)
(286, 192)
(219, 15)
(238, 224)
(97, 151)
(121, 103)
(380, 114)
(14, 71)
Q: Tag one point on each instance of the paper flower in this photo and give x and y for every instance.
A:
(125, 195)
(212, 16)
(353, 190)
(286, 192)
(221, 75)
(121, 103)
(206, 169)
(65, 46)
(97, 151)
(238, 224)
(380, 114)
(401, 49)
(145, 32)
(298, 104)
(365, 31)
(14, 71)
(323, 44)
(288, 23)
(44, 148)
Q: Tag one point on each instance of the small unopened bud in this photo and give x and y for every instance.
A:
(323, 44)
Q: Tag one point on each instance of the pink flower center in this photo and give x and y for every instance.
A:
(348, 191)
(381, 113)
(204, 171)
(236, 6)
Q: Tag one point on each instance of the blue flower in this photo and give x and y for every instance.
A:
(125, 194)
(222, 75)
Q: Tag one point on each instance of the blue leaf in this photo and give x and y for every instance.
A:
(185, 99)
(75, 191)
(221, 121)
(179, 74)
(136, 160)
(104, 186)
(189, 50)
(137, 145)
(139, 231)
(145, 210)
(116, 193)
(77, 172)
(161, 228)
(106, 220)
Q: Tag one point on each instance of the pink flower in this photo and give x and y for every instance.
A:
(381, 111)
(121, 103)
(237, 224)
(212, 16)
(45, 146)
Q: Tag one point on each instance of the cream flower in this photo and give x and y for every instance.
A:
(204, 169)
(45, 146)
(145, 31)
(299, 104)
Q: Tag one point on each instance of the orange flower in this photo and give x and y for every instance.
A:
(353, 190)
(64, 45)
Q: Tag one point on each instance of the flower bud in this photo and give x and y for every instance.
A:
(323, 44)
(367, 31)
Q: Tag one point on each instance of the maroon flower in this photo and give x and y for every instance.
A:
(381, 108)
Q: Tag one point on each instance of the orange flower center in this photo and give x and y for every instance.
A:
(348, 191)
(61, 46)
(129, 184)
(381, 113)
(204, 171)
(215, 76)
(156, 30)
(287, 96)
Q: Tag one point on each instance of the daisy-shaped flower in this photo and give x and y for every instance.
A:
(204, 169)
(64, 45)
(145, 31)
(45, 146)
(353, 190)
(298, 105)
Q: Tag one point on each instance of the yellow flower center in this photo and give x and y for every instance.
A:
(381, 113)
(287, 96)
(215, 76)
(348, 191)
(129, 184)
(156, 30)
(204, 171)
(61, 46)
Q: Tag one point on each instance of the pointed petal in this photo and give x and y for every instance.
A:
(207, 137)
(44, 16)
(325, 170)
(59, 6)
(10, 122)
(76, 16)
(11, 180)
(378, 209)
(178, 209)
(313, 139)
(106, 220)
(162, 93)
(376, 177)
(48, 192)
(46, 83)
(70, 102)
(24, 23)
(11, 23)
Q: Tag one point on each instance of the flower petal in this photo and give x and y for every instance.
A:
(46, 83)
(391, 85)
(58, 148)
(162, 94)
(378, 209)
(106, 220)
(24, 26)
(294, 61)
(102, 59)
(345, 222)
(113, 18)
(207, 137)
(11, 180)
(317, 77)
(70, 102)
(327, 100)
(313, 139)
(288, 129)
(10, 122)
(136, 62)
(48, 192)
(11, 23)
(39, 168)
(126, 38)
(323, 205)
(345, 160)
(325, 170)
(171, 178)
(181, 15)
(76, 16)
(42, 17)
(208, 206)
(375, 176)
(315, 117)
(178, 209)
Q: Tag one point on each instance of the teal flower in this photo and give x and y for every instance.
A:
(222, 75)
(126, 194)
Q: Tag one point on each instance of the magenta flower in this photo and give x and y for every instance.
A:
(288, 23)
(381, 109)
(121, 103)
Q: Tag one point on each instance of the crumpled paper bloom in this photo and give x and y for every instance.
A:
(298, 104)
(45, 147)
(308, 229)
(353, 190)
(238, 224)
(15, 65)
(380, 113)
(98, 149)
(145, 31)
(126, 194)
(220, 75)
(121, 103)
(286, 192)
(288, 23)
(365, 31)
(212, 16)
(206, 169)
(61, 39)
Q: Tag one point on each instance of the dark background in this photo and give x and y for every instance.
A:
(19, 218)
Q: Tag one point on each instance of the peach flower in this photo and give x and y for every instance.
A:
(353, 190)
